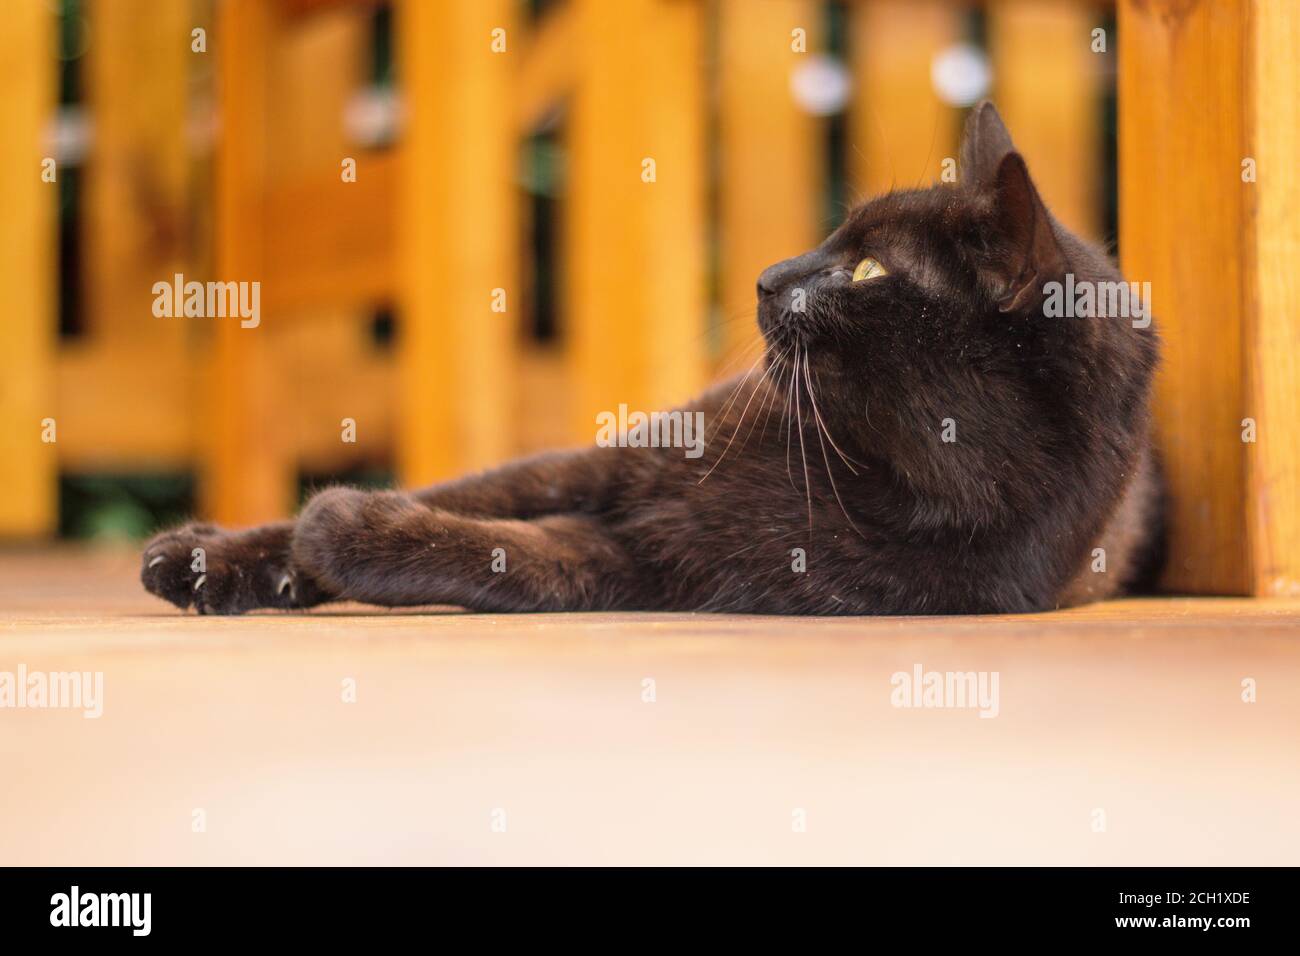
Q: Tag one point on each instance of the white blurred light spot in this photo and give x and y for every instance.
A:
(373, 116)
(68, 135)
(960, 74)
(820, 85)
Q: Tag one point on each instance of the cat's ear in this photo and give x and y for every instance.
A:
(985, 144)
(1029, 255)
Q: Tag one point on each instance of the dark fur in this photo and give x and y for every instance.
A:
(834, 449)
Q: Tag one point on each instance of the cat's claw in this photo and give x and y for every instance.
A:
(242, 571)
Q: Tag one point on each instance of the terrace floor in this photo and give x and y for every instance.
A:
(1121, 735)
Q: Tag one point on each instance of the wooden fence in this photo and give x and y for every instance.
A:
(432, 227)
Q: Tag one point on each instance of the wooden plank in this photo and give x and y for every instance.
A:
(328, 371)
(246, 477)
(27, 227)
(547, 69)
(1047, 87)
(128, 407)
(457, 238)
(900, 131)
(309, 8)
(137, 174)
(543, 715)
(331, 243)
(1219, 253)
(770, 158)
(320, 63)
(330, 248)
(1272, 373)
(673, 323)
(634, 248)
(323, 374)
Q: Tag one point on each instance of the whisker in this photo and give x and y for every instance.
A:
(740, 422)
(830, 474)
(789, 421)
(807, 486)
(768, 393)
(776, 396)
(726, 407)
(821, 424)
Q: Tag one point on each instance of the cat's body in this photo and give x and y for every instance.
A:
(923, 440)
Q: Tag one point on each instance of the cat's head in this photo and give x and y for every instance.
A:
(932, 305)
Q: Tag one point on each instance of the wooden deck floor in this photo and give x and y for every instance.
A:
(1127, 714)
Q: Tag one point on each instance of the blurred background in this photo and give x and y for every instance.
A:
(475, 224)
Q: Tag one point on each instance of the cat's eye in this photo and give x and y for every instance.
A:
(868, 268)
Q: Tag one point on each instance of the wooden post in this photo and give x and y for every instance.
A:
(246, 479)
(1047, 88)
(137, 176)
(1209, 193)
(899, 130)
(28, 71)
(457, 236)
(770, 176)
(635, 298)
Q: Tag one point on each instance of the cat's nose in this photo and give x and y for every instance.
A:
(775, 278)
(771, 279)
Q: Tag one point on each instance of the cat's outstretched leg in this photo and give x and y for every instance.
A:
(388, 548)
(227, 572)
(546, 484)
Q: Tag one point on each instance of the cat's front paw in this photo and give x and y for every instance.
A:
(219, 572)
(174, 564)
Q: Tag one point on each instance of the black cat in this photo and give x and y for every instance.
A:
(922, 438)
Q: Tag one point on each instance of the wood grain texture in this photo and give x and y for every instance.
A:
(1215, 249)
(1272, 374)
(1133, 708)
(27, 291)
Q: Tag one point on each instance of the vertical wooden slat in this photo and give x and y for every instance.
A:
(634, 301)
(900, 131)
(306, 144)
(1047, 87)
(137, 177)
(1273, 357)
(246, 478)
(457, 237)
(770, 174)
(28, 71)
(673, 328)
(1202, 88)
